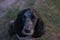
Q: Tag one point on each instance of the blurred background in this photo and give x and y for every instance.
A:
(49, 11)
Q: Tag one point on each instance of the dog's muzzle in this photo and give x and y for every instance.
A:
(28, 27)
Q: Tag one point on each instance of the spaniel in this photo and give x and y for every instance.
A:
(28, 25)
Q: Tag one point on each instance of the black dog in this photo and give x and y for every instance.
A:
(27, 23)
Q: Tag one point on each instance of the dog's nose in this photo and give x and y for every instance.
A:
(27, 31)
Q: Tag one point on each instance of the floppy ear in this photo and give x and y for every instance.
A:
(19, 17)
(18, 22)
(39, 28)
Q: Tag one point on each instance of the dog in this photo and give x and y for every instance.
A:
(28, 25)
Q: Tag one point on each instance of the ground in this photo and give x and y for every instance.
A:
(49, 11)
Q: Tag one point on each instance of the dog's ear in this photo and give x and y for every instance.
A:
(19, 16)
(39, 28)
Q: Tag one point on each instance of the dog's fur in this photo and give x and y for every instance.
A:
(18, 25)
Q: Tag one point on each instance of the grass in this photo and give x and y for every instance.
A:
(4, 22)
(12, 14)
(31, 3)
(50, 13)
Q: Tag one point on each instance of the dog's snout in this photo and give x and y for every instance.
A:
(27, 31)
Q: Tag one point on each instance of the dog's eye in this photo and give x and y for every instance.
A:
(33, 20)
(32, 17)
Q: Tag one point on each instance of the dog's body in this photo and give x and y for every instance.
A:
(28, 25)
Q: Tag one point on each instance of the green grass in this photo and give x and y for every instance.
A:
(5, 21)
(51, 17)
(56, 2)
(30, 3)
(12, 14)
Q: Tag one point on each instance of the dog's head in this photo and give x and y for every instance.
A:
(28, 23)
